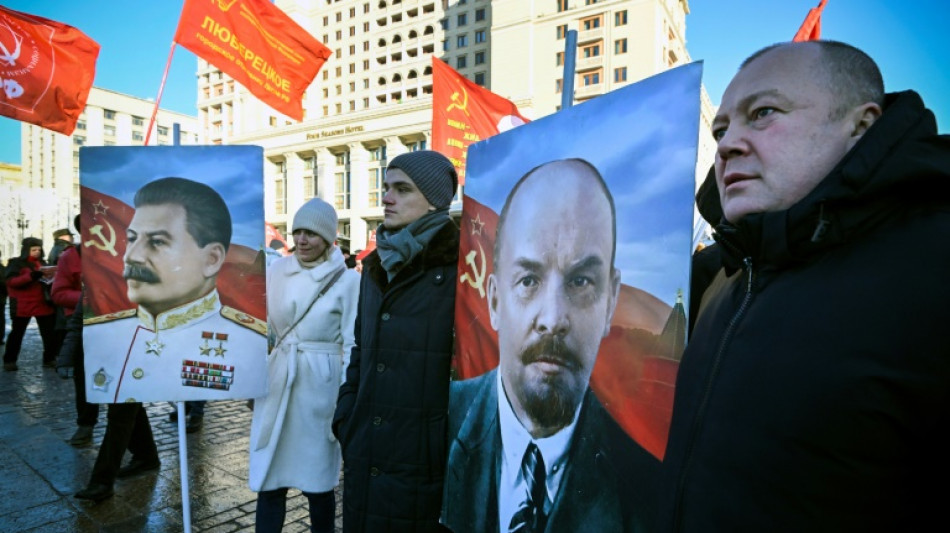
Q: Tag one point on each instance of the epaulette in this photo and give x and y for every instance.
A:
(244, 319)
(108, 317)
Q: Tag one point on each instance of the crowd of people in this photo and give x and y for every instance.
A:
(812, 396)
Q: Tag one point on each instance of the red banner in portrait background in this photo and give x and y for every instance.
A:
(46, 70)
(104, 220)
(258, 45)
(634, 377)
(464, 112)
(271, 234)
(810, 29)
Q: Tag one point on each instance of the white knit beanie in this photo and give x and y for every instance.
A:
(319, 217)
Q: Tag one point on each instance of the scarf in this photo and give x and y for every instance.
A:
(397, 249)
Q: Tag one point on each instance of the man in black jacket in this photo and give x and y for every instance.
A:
(813, 395)
(392, 409)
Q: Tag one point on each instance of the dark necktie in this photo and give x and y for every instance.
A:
(530, 517)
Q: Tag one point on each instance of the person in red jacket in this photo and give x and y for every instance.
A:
(24, 278)
(67, 293)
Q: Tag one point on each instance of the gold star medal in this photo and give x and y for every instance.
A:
(205, 347)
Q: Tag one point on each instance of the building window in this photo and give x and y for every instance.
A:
(339, 34)
(480, 14)
(79, 141)
(620, 18)
(479, 58)
(376, 178)
(480, 36)
(352, 68)
(341, 199)
(461, 20)
(162, 130)
(108, 114)
(80, 125)
(591, 50)
(445, 23)
(339, 16)
(558, 86)
(591, 23)
(445, 45)
(138, 121)
(416, 146)
(559, 59)
(366, 46)
(620, 46)
(280, 193)
(620, 74)
(480, 78)
(461, 41)
(592, 78)
(562, 31)
(562, 5)
(337, 53)
(461, 62)
(108, 131)
(137, 136)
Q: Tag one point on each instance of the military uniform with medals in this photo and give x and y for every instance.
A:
(198, 351)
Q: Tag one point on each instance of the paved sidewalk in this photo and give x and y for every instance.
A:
(40, 471)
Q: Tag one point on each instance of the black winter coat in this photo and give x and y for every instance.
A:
(814, 394)
(391, 416)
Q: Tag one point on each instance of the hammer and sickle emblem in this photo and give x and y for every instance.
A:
(225, 5)
(477, 277)
(102, 243)
(457, 104)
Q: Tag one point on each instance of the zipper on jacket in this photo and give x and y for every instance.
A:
(707, 390)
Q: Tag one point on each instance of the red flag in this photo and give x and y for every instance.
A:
(258, 45)
(370, 246)
(811, 28)
(104, 220)
(271, 234)
(464, 112)
(46, 70)
(633, 382)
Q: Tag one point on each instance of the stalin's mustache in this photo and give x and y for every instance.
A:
(140, 273)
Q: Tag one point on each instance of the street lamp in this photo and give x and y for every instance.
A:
(22, 223)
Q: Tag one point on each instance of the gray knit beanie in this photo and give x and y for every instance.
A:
(432, 173)
(317, 216)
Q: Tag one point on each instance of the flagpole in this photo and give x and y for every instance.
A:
(161, 89)
(182, 413)
(567, 79)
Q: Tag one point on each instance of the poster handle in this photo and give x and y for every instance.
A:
(183, 467)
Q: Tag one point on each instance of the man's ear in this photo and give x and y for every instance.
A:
(493, 301)
(862, 117)
(214, 258)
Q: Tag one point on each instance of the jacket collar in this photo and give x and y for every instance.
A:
(442, 250)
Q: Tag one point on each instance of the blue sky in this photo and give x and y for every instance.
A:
(642, 139)
(908, 39)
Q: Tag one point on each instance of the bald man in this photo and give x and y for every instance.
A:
(530, 439)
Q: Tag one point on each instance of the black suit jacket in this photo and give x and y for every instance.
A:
(609, 484)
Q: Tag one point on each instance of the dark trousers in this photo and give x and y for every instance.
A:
(272, 507)
(87, 414)
(47, 326)
(127, 428)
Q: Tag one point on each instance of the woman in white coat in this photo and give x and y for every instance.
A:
(311, 307)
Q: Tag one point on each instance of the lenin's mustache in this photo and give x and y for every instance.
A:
(551, 348)
(140, 273)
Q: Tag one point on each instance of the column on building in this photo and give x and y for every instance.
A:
(359, 193)
(326, 170)
(293, 183)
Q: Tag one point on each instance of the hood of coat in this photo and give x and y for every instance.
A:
(899, 165)
(443, 249)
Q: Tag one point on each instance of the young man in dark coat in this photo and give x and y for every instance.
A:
(392, 410)
(814, 394)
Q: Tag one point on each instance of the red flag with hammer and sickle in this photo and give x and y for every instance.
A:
(46, 70)
(464, 113)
